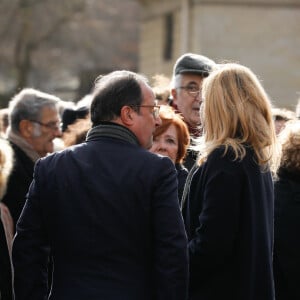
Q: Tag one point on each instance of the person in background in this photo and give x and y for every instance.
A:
(281, 116)
(107, 209)
(3, 121)
(76, 132)
(228, 208)
(172, 139)
(189, 72)
(6, 223)
(33, 124)
(161, 89)
(287, 215)
(298, 110)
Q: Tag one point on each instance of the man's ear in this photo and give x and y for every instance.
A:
(26, 128)
(127, 115)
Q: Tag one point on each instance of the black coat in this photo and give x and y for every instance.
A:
(14, 198)
(109, 211)
(18, 183)
(228, 214)
(286, 235)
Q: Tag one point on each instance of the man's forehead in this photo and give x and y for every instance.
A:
(49, 111)
(191, 79)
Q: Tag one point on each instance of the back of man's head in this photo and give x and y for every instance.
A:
(28, 105)
(194, 64)
(112, 92)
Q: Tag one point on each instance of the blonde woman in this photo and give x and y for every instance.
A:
(228, 203)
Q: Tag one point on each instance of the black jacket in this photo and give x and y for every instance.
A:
(17, 188)
(18, 183)
(109, 211)
(228, 214)
(286, 235)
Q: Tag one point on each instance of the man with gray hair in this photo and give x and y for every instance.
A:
(189, 71)
(33, 124)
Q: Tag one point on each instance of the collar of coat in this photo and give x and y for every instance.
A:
(113, 130)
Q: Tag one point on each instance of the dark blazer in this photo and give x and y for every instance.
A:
(286, 235)
(229, 220)
(109, 212)
(18, 182)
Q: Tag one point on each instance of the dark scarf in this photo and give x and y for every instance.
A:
(112, 130)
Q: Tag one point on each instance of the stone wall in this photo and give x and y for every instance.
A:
(263, 35)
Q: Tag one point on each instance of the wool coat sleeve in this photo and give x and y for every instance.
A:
(30, 253)
(171, 257)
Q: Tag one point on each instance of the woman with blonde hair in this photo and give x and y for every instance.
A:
(228, 203)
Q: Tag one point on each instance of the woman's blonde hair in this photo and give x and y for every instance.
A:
(236, 113)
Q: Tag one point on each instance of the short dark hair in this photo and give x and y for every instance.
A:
(112, 92)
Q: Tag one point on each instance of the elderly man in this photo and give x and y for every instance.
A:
(107, 209)
(33, 124)
(188, 73)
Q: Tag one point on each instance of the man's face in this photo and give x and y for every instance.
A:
(145, 121)
(45, 130)
(187, 99)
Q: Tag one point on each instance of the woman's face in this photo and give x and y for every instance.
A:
(167, 143)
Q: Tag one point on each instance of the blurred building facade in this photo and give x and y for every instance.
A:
(261, 34)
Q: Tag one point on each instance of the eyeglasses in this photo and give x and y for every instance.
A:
(154, 111)
(191, 90)
(51, 125)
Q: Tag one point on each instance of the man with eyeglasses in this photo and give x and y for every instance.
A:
(33, 124)
(188, 73)
(107, 209)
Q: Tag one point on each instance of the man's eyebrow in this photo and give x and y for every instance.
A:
(192, 83)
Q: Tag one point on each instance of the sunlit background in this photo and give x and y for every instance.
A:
(60, 46)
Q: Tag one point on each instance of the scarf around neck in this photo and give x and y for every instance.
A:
(113, 130)
(23, 145)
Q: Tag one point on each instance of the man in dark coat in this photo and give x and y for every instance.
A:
(33, 124)
(107, 209)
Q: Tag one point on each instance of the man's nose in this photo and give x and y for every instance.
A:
(58, 132)
(199, 96)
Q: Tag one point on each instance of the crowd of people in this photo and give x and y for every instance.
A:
(184, 188)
